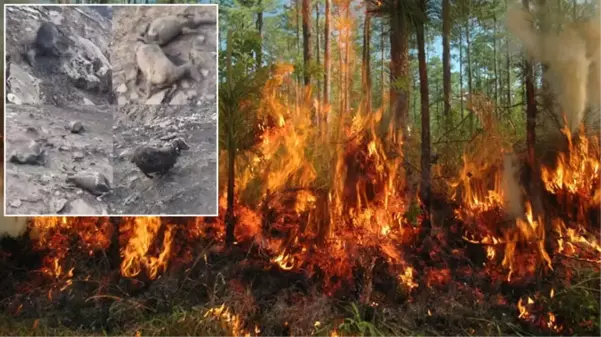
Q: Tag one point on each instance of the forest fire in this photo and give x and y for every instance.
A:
(358, 229)
(331, 235)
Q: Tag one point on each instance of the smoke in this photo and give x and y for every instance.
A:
(11, 226)
(571, 55)
(511, 187)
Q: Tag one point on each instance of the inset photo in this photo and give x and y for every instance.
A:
(165, 160)
(58, 55)
(58, 159)
(165, 54)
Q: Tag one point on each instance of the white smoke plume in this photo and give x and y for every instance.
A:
(572, 56)
(11, 226)
(510, 183)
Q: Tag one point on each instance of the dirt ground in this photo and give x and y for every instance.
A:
(84, 35)
(200, 48)
(190, 187)
(42, 189)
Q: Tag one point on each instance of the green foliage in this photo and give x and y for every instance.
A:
(578, 304)
(412, 214)
(356, 325)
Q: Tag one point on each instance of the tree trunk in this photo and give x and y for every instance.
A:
(461, 74)
(469, 67)
(425, 105)
(366, 71)
(259, 24)
(307, 40)
(347, 58)
(399, 70)
(446, 62)
(574, 14)
(383, 67)
(496, 73)
(230, 219)
(317, 60)
(298, 20)
(530, 106)
(543, 14)
(327, 66)
(508, 66)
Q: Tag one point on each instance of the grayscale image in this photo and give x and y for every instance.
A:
(58, 55)
(165, 160)
(58, 159)
(164, 55)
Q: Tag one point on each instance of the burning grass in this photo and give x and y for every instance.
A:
(348, 254)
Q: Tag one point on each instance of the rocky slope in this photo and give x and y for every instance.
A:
(83, 72)
(190, 187)
(41, 187)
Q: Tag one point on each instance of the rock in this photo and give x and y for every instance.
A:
(121, 100)
(64, 148)
(76, 127)
(165, 124)
(94, 182)
(157, 98)
(125, 153)
(24, 87)
(45, 179)
(134, 96)
(57, 193)
(169, 136)
(201, 38)
(122, 88)
(84, 206)
(32, 155)
(32, 132)
(92, 52)
(105, 75)
(16, 203)
(204, 72)
(77, 156)
(86, 101)
(179, 99)
(57, 205)
(81, 72)
(185, 84)
(12, 98)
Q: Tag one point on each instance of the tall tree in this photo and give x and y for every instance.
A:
(446, 60)
(366, 70)
(259, 24)
(530, 104)
(317, 49)
(327, 65)
(399, 66)
(230, 220)
(382, 39)
(425, 109)
(469, 61)
(307, 40)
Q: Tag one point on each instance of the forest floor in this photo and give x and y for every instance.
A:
(240, 292)
(42, 189)
(190, 188)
